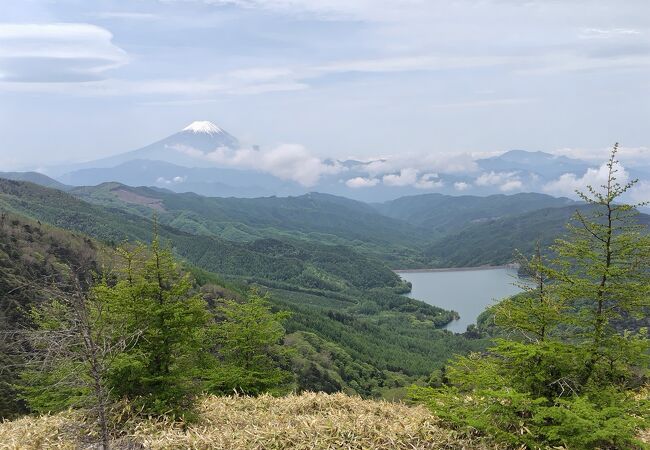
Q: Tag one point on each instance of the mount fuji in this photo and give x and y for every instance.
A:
(180, 163)
(187, 148)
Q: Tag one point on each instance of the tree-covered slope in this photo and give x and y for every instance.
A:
(310, 213)
(312, 217)
(442, 214)
(305, 264)
(350, 301)
(495, 242)
(429, 230)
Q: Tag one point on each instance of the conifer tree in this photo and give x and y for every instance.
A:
(161, 373)
(602, 274)
(251, 356)
(568, 369)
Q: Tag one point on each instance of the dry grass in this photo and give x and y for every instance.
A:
(307, 421)
(38, 433)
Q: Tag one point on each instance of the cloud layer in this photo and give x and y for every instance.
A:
(569, 183)
(432, 172)
(57, 52)
(286, 161)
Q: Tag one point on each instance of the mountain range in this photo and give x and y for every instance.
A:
(426, 230)
(207, 160)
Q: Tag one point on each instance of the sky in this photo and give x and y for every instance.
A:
(83, 79)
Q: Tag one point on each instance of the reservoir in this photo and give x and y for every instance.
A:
(466, 291)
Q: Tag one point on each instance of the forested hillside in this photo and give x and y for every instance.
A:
(495, 241)
(353, 328)
(443, 214)
(309, 265)
(429, 230)
(314, 217)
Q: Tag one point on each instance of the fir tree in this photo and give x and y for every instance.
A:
(155, 298)
(566, 373)
(249, 337)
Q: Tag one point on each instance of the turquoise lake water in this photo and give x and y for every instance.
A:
(467, 292)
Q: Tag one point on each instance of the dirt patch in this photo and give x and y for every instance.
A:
(137, 199)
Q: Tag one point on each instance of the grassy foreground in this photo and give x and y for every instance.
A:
(307, 421)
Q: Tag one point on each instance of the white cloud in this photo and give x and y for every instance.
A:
(429, 181)
(187, 150)
(568, 183)
(506, 181)
(192, 90)
(287, 161)
(176, 179)
(411, 177)
(461, 186)
(600, 33)
(406, 177)
(424, 163)
(333, 9)
(511, 185)
(495, 178)
(361, 182)
(56, 52)
(407, 63)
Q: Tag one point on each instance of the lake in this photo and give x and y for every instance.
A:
(467, 291)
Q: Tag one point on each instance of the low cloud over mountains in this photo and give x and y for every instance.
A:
(208, 160)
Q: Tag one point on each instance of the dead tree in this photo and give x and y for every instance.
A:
(73, 330)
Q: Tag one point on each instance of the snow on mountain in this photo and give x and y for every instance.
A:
(203, 126)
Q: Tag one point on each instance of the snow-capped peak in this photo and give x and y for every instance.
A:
(203, 126)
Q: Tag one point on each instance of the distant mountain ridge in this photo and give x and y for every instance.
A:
(442, 214)
(110, 223)
(313, 216)
(202, 158)
(540, 163)
(494, 242)
(36, 178)
(206, 159)
(427, 230)
(209, 181)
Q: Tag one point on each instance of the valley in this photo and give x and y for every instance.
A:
(326, 259)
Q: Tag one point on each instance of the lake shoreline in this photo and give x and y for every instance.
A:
(468, 290)
(456, 269)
